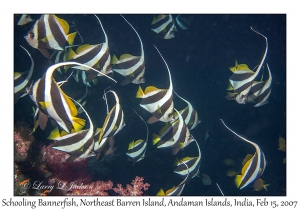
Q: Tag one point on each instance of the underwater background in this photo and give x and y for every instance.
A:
(199, 59)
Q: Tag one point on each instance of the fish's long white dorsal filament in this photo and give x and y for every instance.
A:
(238, 134)
(171, 85)
(106, 40)
(265, 54)
(136, 33)
(55, 66)
(145, 124)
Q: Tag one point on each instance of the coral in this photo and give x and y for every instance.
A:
(62, 170)
(136, 187)
(72, 178)
(22, 141)
(19, 182)
(21, 147)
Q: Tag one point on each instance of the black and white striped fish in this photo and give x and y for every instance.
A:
(114, 120)
(53, 102)
(24, 19)
(242, 80)
(104, 147)
(175, 135)
(176, 190)
(21, 80)
(192, 163)
(50, 32)
(78, 144)
(164, 26)
(159, 102)
(253, 168)
(131, 67)
(182, 23)
(189, 114)
(260, 91)
(96, 56)
(137, 149)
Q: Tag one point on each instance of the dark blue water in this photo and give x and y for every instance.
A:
(212, 44)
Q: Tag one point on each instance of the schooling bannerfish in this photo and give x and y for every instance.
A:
(253, 168)
(159, 102)
(131, 67)
(50, 32)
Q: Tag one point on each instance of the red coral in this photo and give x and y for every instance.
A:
(136, 187)
(62, 170)
(71, 178)
(21, 147)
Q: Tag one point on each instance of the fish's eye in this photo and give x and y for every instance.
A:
(170, 115)
(142, 79)
(31, 35)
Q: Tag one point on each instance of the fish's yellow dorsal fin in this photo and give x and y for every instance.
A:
(63, 132)
(156, 138)
(176, 162)
(78, 123)
(124, 56)
(64, 24)
(17, 74)
(98, 130)
(161, 192)
(248, 157)
(159, 17)
(150, 89)
(238, 180)
(170, 190)
(70, 54)
(242, 67)
(229, 87)
(246, 165)
(153, 21)
(234, 67)
(130, 145)
(71, 38)
(114, 59)
(138, 142)
(82, 48)
(54, 134)
(186, 159)
(140, 93)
